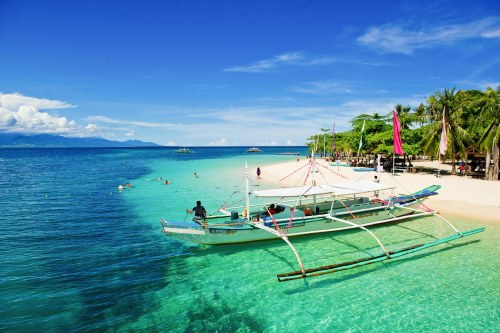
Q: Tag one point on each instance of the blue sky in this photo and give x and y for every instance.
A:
(260, 73)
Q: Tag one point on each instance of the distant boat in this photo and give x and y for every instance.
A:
(184, 151)
(254, 150)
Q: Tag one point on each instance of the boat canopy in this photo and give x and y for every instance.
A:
(332, 189)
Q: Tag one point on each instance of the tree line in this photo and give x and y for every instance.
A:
(472, 122)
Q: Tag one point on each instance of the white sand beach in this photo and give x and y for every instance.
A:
(459, 195)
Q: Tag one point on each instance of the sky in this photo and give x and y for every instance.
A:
(233, 73)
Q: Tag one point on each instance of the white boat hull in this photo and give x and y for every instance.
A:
(239, 231)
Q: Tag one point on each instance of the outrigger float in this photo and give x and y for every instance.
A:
(315, 209)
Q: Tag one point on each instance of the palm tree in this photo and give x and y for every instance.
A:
(421, 115)
(453, 104)
(489, 105)
(404, 115)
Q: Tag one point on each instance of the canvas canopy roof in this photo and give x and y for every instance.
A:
(332, 189)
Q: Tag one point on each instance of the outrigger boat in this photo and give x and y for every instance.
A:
(184, 151)
(307, 210)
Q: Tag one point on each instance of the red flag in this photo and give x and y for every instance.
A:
(398, 145)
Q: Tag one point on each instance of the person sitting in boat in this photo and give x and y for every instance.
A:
(271, 210)
(199, 211)
(279, 209)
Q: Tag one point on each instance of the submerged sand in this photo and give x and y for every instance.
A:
(459, 195)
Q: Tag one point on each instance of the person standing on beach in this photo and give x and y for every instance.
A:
(258, 173)
(376, 180)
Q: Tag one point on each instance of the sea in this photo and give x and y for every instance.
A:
(79, 255)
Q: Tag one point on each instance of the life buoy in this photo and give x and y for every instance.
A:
(308, 211)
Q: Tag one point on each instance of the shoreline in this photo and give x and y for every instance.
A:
(460, 196)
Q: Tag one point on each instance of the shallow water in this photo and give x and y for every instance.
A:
(79, 255)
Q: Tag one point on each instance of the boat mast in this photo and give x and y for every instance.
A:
(313, 179)
(247, 193)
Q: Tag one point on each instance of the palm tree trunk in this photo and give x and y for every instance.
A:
(487, 166)
(495, 153)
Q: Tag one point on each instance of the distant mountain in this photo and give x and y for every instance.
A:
(11, 140)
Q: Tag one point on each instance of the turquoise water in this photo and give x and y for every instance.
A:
(78, 255)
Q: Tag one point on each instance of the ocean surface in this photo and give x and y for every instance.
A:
(79, 255)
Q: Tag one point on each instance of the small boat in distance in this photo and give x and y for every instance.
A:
(184, 151)
(254, 150)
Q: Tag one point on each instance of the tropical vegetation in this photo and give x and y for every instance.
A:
(472, 123)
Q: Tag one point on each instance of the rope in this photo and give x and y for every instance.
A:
(290, 221)
(308, 173)
(349, 211)
(278, 229)
(336, 173)
(294, 172)
(222, 206)
(232, 203)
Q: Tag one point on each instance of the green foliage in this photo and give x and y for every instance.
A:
(472, 121)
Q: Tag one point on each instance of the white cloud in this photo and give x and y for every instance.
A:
(392, 38)
(20, 113)
(271, 126)
(220, 142)
(483, 85)
(104, 119)
(14, 101)
(92, 127)
(283, 60)
(491, 34)
(321, 88)
(23, 114)
(6, 118)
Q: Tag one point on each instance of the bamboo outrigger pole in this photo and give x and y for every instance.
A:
(370, 260)
(285, 238)
(247, 193)
(303, 273)
(385, 256)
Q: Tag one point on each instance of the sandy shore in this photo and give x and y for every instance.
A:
(459, 195)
